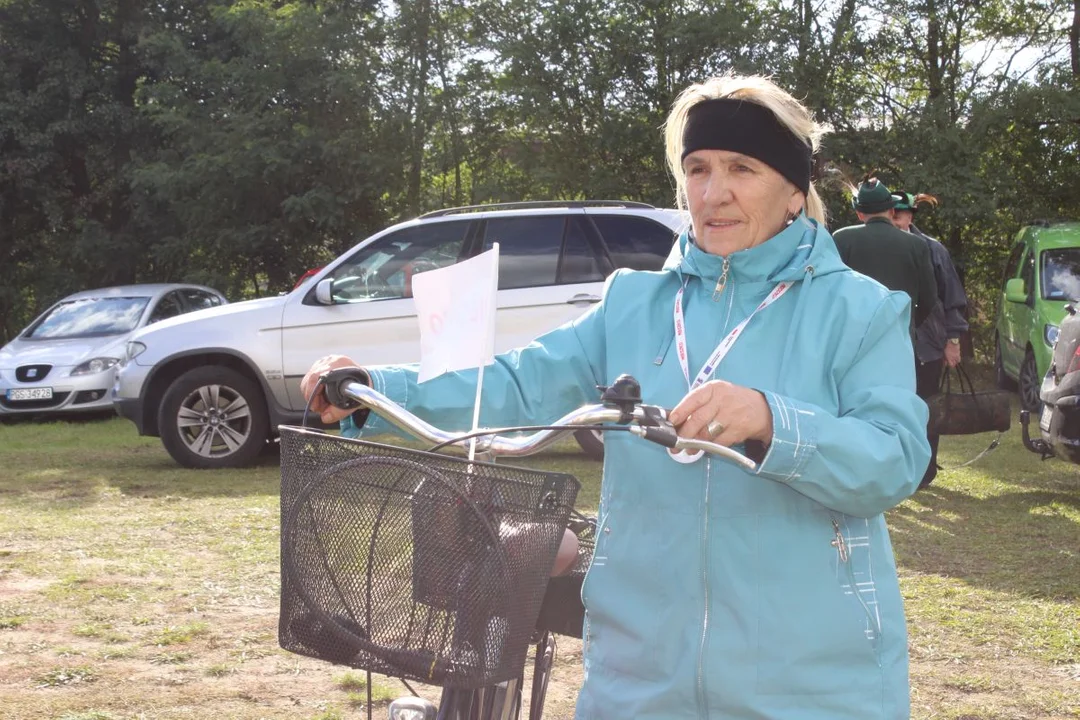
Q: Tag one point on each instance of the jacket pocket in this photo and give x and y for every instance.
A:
(818, 630)
(635, 621)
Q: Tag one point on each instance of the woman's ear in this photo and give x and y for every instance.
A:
(795, 205)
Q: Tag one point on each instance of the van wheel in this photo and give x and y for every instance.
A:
(592, 442)
(1004, 382)
(1029, 383)
(213, 417)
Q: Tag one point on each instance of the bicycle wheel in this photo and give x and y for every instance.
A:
(542, 664)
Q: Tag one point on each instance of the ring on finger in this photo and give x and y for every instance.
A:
(714, 428)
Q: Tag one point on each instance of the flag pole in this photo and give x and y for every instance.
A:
(480, 371)
(476, 413)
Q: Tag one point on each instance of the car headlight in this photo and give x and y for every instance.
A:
(134, 350)
(1050, 334)
(97, 365)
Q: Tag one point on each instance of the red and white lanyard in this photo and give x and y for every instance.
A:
(725, 345)
(718, 354)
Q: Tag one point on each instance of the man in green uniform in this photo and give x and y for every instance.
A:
(899, 261)
(878, 249)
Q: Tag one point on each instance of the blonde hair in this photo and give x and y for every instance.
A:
(752, 88)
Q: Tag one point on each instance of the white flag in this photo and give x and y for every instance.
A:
(456, 309)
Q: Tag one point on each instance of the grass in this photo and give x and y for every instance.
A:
(66, 676)
(355, 686)
(132, 588)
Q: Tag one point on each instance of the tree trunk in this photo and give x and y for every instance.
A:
(126, 36)
(421, 64)
(1074, 40)
(450, 104)
(935, 87)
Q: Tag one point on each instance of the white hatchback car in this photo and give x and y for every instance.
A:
(214, 387)
(64, 361)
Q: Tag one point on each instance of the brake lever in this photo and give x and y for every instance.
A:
(719, 450)
(654, 426)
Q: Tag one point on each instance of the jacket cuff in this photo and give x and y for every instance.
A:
(393, 385)
(794, 439)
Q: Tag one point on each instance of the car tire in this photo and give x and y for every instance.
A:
(1004, 382)
(592, 442)
(1029, 383)
(213, 417)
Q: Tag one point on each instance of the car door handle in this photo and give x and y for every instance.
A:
(582, 298)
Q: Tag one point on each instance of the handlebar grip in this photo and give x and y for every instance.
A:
(335, 379)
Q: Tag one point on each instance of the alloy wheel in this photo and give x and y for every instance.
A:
(1029, 383)
(214, 420)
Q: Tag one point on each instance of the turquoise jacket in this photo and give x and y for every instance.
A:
(715, 592)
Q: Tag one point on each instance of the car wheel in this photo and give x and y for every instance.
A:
(592, 442)
(1029, 383)
(1004, 382)
(213, 417)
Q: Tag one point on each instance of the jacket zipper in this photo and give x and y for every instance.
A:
(703, 703)
(840, 543)
(844, 554)
(721, 281)
(703, 700)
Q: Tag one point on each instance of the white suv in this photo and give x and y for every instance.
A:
(215, 386)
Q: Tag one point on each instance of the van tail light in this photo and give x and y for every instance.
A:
(1074, 361)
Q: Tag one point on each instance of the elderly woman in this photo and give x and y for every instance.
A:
(716, 592)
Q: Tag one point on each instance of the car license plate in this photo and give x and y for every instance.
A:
(1044, 419)
(43, 393)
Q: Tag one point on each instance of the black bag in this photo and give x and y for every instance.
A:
(965, 411)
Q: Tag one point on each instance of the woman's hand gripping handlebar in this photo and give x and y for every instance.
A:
(620, 405)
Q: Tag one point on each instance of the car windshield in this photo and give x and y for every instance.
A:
(1061, 274)
(89, 317)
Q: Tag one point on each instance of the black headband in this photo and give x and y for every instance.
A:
(751, 129)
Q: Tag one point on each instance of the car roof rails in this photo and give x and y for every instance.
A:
(535, 204)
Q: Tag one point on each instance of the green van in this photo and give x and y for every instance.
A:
(1042, 275)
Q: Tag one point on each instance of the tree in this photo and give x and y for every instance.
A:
(271, 160)
(68, 128)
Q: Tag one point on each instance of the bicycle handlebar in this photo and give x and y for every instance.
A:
(620, 404)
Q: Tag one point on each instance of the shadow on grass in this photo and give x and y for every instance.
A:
(73, 480)
(1022, 542)
(69, 467)
(70, 419)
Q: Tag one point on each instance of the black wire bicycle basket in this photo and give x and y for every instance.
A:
(413, 564)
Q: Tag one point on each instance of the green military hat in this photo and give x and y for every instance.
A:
(904, 201)
(873, 197)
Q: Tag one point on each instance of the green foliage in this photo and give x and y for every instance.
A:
(240, 142)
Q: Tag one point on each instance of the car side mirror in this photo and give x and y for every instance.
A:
(1015, 290)
(324, 291)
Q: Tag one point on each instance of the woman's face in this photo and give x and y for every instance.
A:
(902, 219)
(736, 201)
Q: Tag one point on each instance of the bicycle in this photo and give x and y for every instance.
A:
(431, 567)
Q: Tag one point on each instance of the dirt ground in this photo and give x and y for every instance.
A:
(234, 669)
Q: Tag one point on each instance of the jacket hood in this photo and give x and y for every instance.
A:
(787, 256)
